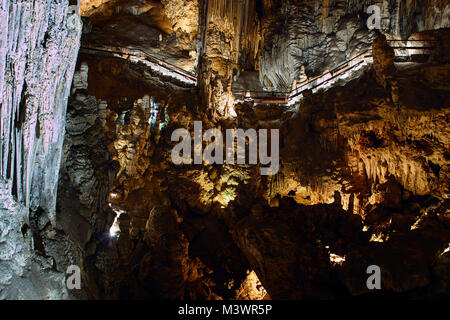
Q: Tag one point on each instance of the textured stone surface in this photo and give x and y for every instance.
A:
(38, 47)
(320, 34)
(361, 166)
(363, 173)
(39, 54)
(165, 29)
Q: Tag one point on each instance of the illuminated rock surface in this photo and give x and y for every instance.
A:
(37, 60)
(364, 158)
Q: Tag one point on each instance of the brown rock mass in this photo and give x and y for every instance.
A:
(88, 179)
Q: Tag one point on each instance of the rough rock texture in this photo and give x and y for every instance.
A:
(383, 160)
(363, 175)
(363, 166)
(38, 45)
(166, 29)
(320, 34)
(362, 181)
(111, 162)
(25, 273)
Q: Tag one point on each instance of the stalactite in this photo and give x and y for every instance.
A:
(29, 97)
(239, 17)
(19, 161)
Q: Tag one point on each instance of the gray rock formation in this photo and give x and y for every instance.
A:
(322, 34)
(39, 41)
(86, 176)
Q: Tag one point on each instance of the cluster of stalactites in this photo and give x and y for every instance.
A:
(37, 58)
(238, 16)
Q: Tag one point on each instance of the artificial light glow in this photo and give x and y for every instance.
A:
(228, 195)
(377, 238)
(418, 222)
(252, 287)
(230, 105)
(115, 229)
(232, 112)
(225, 197)
(113, 195)
(446, 250)
(336, 259)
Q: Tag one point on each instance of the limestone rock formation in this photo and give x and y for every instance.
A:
(38, 40)
(89, 105)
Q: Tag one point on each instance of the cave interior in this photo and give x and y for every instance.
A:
(351, 99)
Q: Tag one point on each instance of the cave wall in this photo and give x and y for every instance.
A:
(165, 29)
(381, 155)
(363, 176)
(115, 161)
(356, 171)
(39, 41)
(320, 34)
(368, 170)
